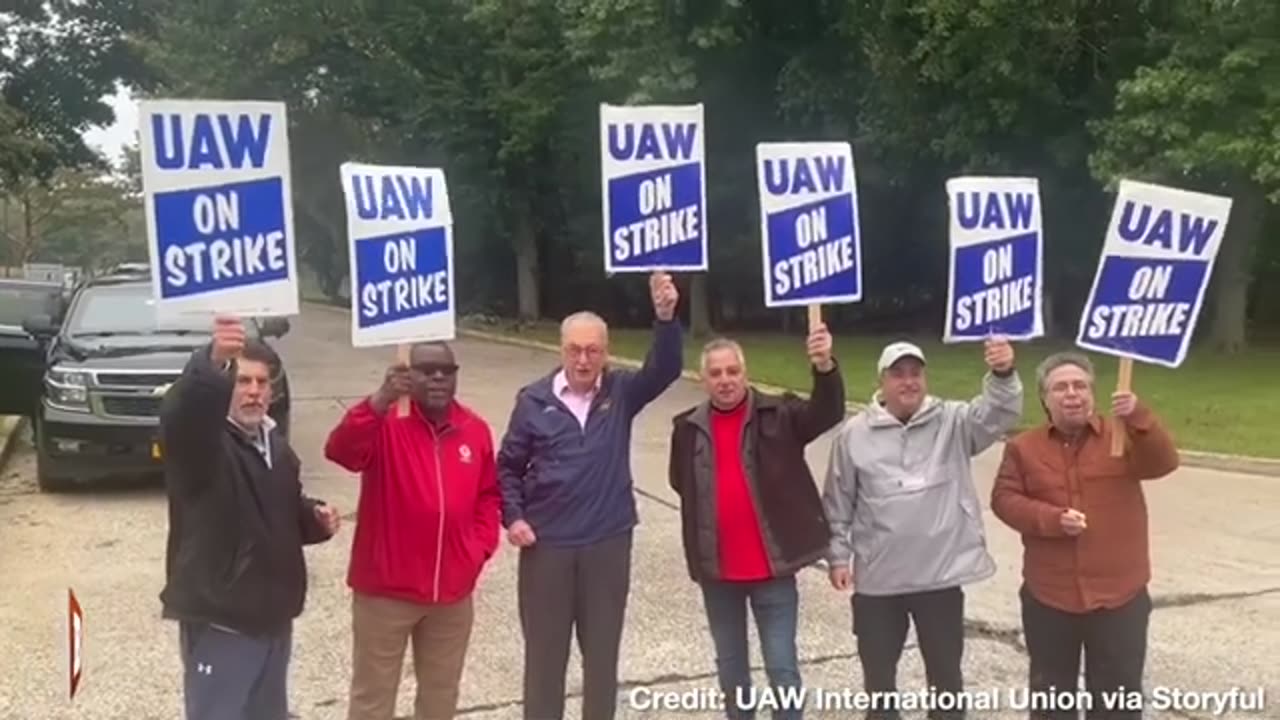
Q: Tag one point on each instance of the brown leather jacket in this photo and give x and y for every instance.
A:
(1043, 473)
(778, 428)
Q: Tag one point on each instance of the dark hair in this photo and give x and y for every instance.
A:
(259, 351)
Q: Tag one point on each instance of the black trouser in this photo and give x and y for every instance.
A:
(880, 624)
(562, 589)
(1115, 649)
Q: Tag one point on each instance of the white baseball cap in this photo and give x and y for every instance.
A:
(896, 351)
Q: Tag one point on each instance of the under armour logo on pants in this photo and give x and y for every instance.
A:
(204, 669)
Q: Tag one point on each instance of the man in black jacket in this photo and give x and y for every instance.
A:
(750, 510)
(235, 573)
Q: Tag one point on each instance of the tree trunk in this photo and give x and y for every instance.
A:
(699, 306)
(1232, 269)
(528, 305)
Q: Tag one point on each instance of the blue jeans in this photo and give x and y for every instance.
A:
(775, 605)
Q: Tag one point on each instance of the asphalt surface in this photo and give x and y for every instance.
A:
(1215, 538)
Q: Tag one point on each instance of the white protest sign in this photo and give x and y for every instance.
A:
(809, 239)
(653, 182)
(1155, 267)
(400, 238)
(997, 259)
(217, 195)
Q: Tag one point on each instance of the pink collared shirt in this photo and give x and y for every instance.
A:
(578, 403)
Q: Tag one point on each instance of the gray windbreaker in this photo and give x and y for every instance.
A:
(900, 498)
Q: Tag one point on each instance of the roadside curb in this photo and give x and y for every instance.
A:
(10, 427)
(1193, 458)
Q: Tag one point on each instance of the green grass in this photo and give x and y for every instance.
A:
(1225, 404)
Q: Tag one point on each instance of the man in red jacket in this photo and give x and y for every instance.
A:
(427, 523)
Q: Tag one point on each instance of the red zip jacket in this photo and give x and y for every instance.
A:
(429, 501)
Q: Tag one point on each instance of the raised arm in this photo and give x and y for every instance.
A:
(513, 463)
(665, 359)
(1152, 452)
(353, 443)
(1011, 502)
(194, 410)
(994, 413)
(825, 407)
(840, 499)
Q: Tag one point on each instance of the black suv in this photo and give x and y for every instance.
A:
(91, 370)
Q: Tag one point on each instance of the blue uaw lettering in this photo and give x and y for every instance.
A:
(1193, 231)
(1149, 315)
(233, 256)
(1002, 298)
(784, 177)
(402, 289)
(392, 197)
(675, 142)
(210, 141)
(819, 258)
(984, 209)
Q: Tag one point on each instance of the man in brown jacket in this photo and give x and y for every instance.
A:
(750, 511)
(1083, 519)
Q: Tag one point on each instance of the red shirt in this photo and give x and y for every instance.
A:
(429, 511)
(742, 552)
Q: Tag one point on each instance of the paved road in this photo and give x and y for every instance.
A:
(1216, 542)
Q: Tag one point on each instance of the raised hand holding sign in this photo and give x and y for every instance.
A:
(662, 290)
(228, 339)
(819, 347)
(998, 354)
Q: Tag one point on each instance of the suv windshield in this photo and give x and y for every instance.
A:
(128, 309)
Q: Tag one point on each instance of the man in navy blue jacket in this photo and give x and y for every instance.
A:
(565, 471)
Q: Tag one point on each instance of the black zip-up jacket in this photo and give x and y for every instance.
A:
(236, 525)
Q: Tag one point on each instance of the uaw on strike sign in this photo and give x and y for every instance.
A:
(215, 178)
(996, 259)
(400, 236)
(808, 223)
(653, 172)
(1156, 263)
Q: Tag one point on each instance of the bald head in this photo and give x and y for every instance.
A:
(584, 349)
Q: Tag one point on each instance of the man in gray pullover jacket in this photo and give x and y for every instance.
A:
(905, 515)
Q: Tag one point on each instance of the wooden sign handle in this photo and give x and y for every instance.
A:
(1124, 382)
(815, 316)
(402, 357)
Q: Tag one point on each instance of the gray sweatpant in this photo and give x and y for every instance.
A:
(230, 676)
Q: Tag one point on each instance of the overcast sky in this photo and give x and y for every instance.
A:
(112, 140)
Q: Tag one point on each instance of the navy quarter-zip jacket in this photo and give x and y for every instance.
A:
(572, 484)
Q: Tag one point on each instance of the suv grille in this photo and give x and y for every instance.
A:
(139, 406)
(136, 379)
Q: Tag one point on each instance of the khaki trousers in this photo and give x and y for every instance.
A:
(381, 629)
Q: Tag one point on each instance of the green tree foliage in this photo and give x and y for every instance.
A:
(58, 59)
(1207, 116)
(504, 95)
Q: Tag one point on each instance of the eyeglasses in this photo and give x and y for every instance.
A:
(446, 369)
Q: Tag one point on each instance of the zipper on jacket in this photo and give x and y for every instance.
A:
(435, 449)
